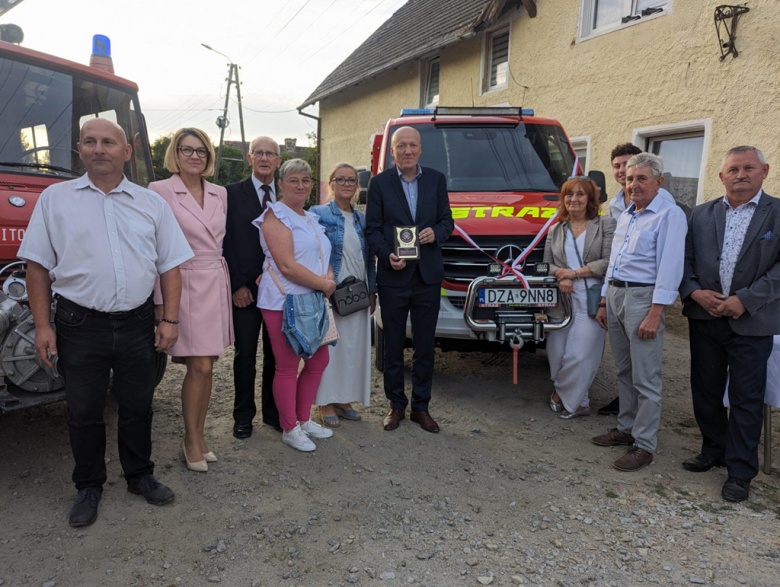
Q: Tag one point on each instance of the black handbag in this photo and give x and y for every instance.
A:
(351, 296)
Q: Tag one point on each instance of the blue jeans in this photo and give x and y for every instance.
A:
(305, 322)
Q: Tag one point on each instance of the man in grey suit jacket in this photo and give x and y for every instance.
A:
(731, 296)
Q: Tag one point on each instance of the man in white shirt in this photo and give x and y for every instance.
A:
(98, 243)
(617, 205)
(644, 273)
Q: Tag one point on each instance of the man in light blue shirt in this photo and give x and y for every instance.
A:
(617, 205)
(643, 276)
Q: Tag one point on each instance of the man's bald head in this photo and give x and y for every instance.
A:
(98, 124)
(406, 148)
(104, 150)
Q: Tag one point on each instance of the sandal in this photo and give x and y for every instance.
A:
(350, 414)
(330, 421)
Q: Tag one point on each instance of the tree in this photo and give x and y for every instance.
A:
(231, 171)
(158, 157)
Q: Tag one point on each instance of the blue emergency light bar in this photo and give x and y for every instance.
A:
(468, 111)
(101, 45)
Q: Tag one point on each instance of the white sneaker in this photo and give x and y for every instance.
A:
(298, 439)
(314, 430)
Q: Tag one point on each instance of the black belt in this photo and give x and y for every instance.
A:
(618, 283)
(67, 304)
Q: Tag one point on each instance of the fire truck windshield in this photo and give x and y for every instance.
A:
(41, 111)
(496, 158)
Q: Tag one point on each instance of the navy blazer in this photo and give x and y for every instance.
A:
(241, 247)
(387, 207)
(756, 279)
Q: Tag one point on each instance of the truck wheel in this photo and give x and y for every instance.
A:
(160, 365)
(379, 348)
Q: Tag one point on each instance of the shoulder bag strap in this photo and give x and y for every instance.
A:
(319, 242)
(278, 283)
(577, 249)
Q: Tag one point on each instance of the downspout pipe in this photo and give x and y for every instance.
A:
(319, 150)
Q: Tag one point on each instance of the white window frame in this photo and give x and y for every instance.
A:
(425, 71)
(579, 143)
(587, 14)
(641, 136)
(486, 58)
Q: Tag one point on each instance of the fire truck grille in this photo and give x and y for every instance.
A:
(463, 263)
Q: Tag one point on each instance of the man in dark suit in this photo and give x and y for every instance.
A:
(408, 194)
(731, 296)
(246, 201)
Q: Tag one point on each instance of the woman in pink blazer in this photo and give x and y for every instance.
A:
(206, 327)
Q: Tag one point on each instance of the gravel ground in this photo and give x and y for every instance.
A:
(507, 494)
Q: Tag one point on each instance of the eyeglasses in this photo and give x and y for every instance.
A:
(295, 182)
(189, 151)
(582, 177)
(345, 180)
(266, 154)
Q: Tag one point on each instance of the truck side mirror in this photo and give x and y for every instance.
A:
(364, 177)
(601, 181)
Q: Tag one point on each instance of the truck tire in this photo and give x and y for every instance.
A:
(379, 348)
(160, 365)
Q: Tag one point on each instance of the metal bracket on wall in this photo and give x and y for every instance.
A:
(726, 18)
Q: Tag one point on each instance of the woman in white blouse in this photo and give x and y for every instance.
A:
(297, 253)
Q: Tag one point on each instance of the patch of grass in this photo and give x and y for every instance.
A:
(660, 490)
(683, 492)
(612, 495)
(755, 506)
(777, 512)
(688, 423)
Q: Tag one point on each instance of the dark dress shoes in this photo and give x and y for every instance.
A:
(701, 463)
(85, 508)
(275, 425)
(242, 429)
(735, 489)
(153, 491)
(393, 419)
(635, 459)
(611, 409)
(425, 421)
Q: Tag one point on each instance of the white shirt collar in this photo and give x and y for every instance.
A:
(259, 186)
(753, 200)
(125, 185)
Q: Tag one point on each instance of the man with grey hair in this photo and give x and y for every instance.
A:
(731, 297)
(644, 272)
(247, 200)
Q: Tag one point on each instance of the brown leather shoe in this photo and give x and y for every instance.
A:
(393, 419)
(425, 421)
(613, 438)
(633, 460)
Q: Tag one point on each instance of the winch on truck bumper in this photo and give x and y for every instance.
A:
(509, 320)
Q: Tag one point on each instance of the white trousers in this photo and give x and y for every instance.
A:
(575, 354)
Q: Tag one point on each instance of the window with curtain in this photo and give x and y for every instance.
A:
(431, 97)
(497, 66)
(681, 155)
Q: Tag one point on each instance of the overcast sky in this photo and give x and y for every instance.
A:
(285, 49)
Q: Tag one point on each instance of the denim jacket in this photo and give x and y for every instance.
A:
(333, 221)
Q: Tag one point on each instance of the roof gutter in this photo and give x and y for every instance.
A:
(319, 139)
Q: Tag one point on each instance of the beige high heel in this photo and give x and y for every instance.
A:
(198, 466)
(210, 457)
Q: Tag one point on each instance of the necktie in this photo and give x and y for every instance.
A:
(266, 196)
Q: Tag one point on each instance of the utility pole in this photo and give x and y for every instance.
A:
(223, 122)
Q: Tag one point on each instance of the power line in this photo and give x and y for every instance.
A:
(344, 31)
(279, 31)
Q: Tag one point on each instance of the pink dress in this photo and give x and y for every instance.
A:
(205, 315)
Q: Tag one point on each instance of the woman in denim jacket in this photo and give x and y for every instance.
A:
(347, 378)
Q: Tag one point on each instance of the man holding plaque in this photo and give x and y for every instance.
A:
(408, 218)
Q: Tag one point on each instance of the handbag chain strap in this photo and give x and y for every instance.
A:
(577, 250)
(275, 277)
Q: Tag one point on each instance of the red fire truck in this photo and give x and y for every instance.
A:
(505, 168)
(44, 100)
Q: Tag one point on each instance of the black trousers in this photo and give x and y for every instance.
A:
(422, 301)
(718, 354)
(247, 324)
(90, 345)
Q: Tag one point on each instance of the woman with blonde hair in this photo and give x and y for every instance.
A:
(348, 376)
(206, 327)
(296, 262)
(577, 249)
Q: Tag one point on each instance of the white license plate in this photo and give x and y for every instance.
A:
(499, 297)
